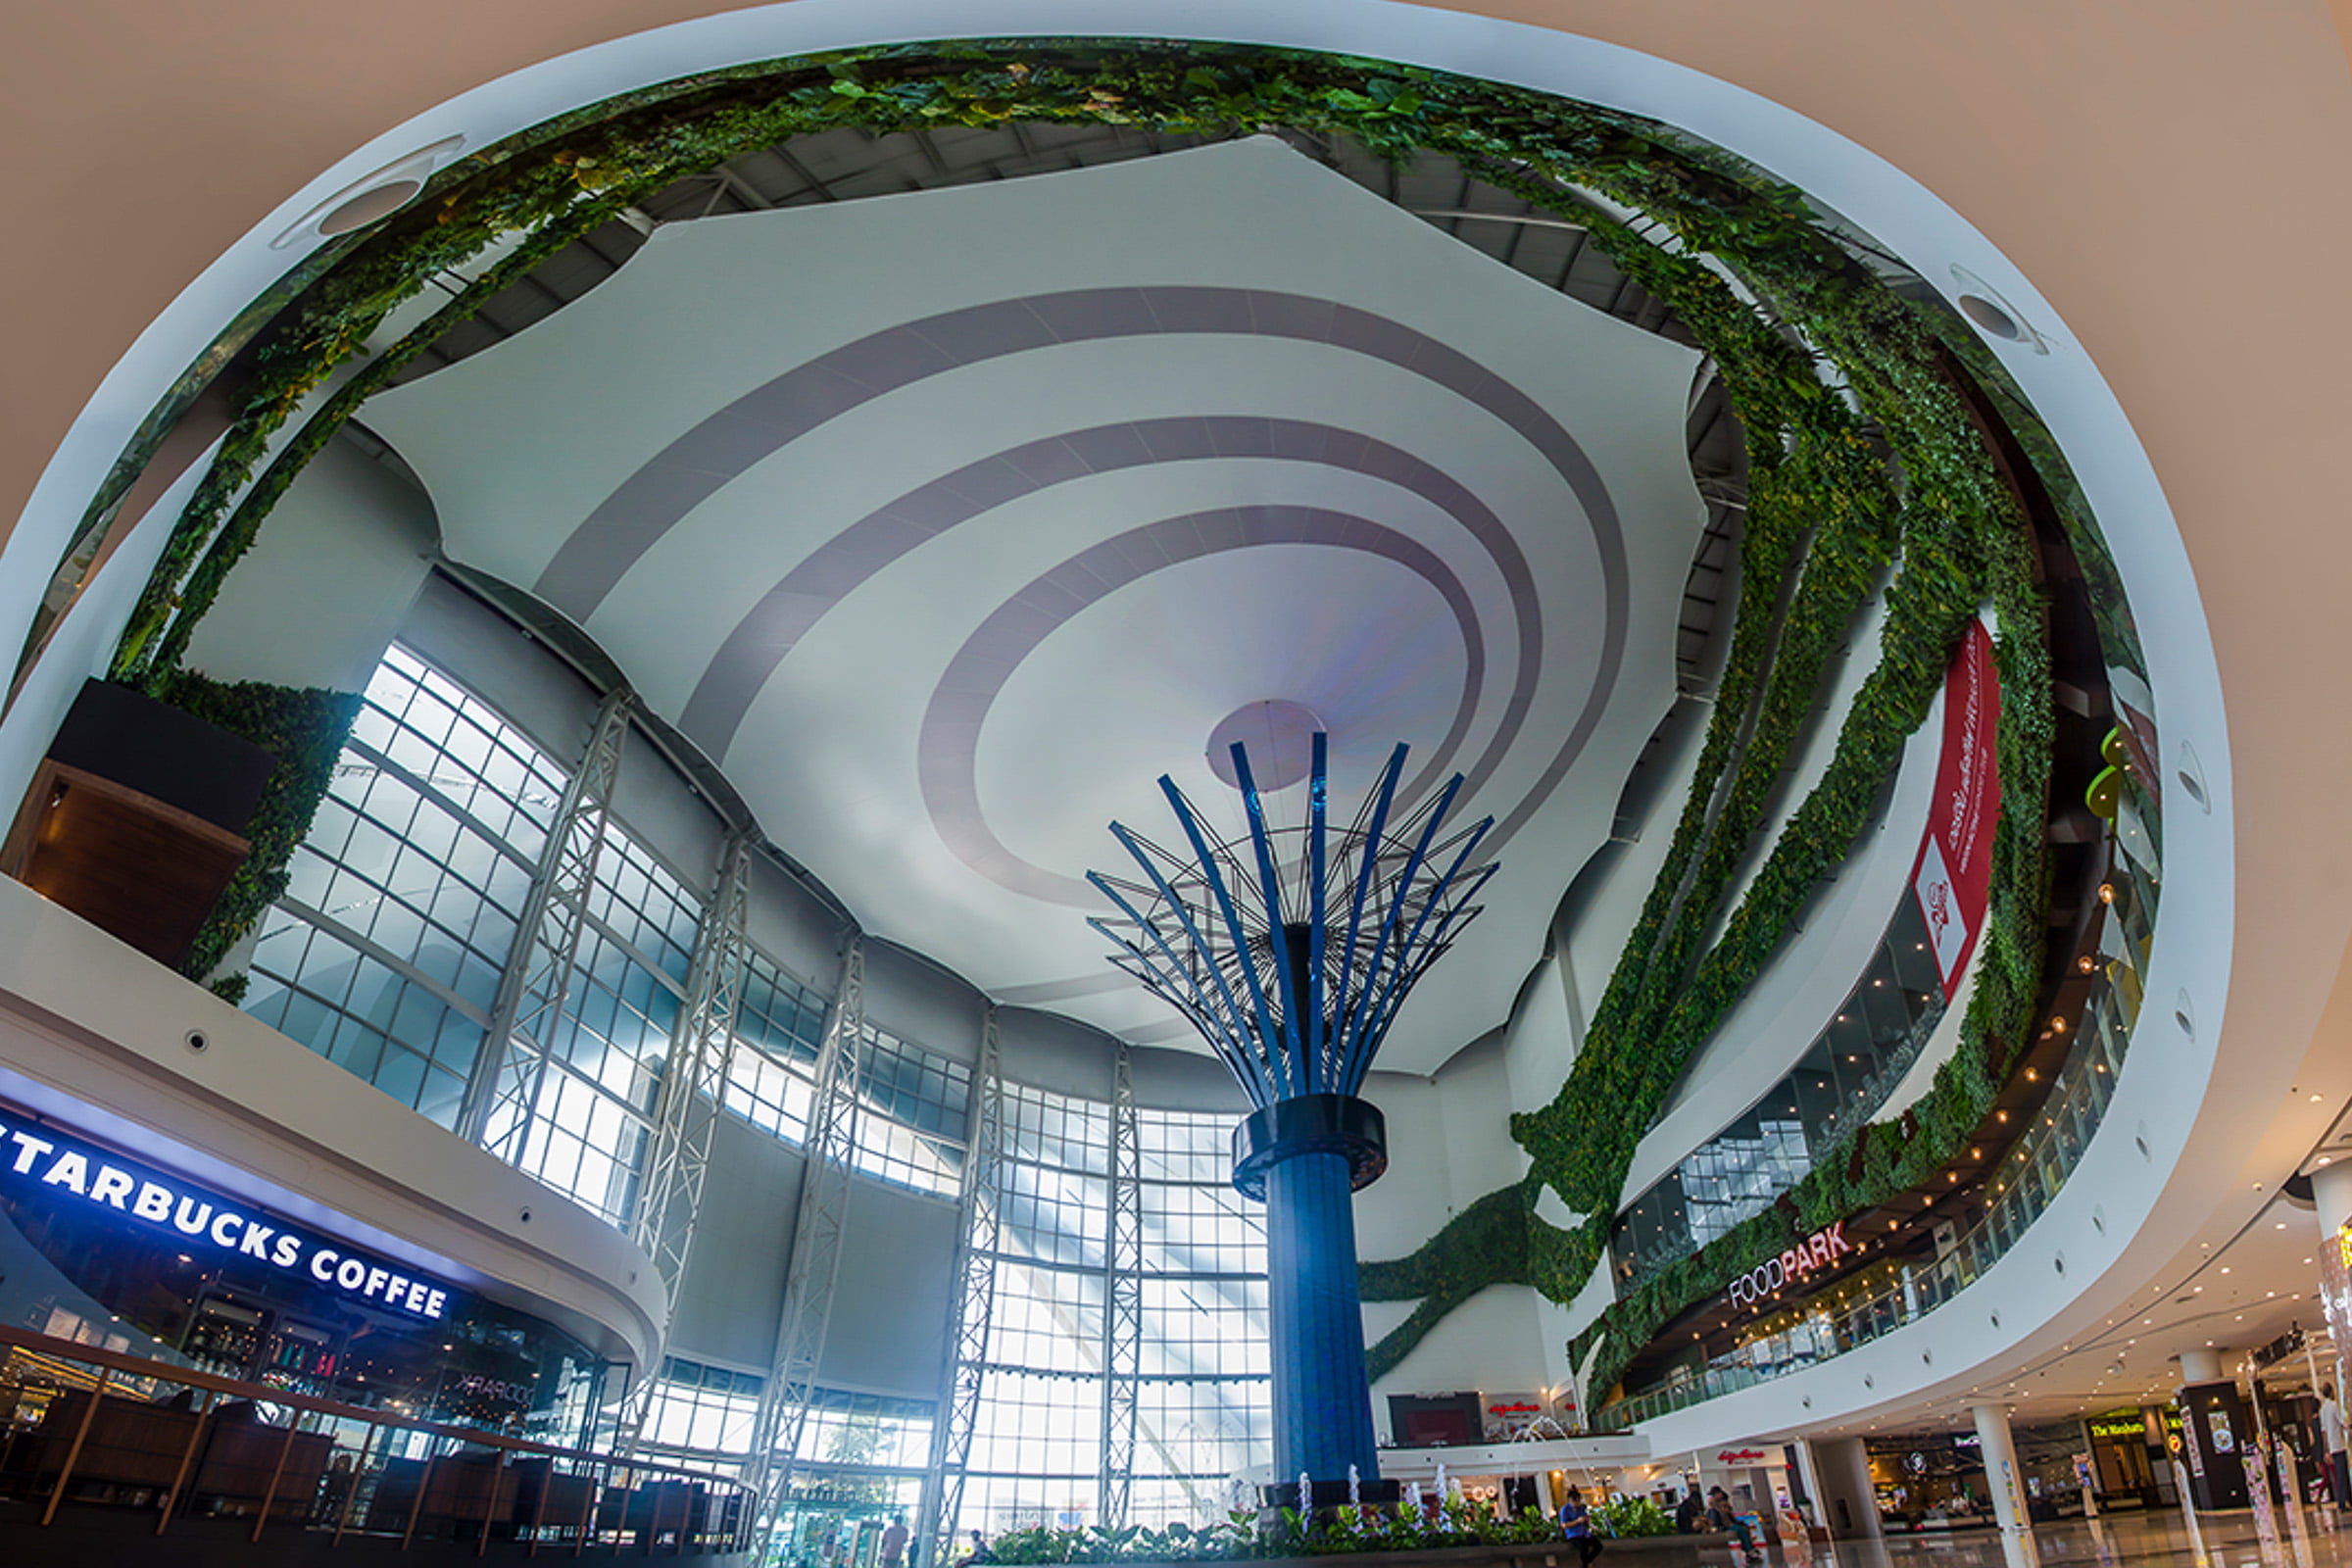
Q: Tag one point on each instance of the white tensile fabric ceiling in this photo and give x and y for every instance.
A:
(946, 522)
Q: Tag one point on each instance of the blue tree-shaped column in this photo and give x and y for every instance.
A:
(1290, 951)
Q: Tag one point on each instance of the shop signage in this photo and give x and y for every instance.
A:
(1816, 1252)
(1740, 1457)
(38, 1164)
(1953, 876)
(1517, 1408)
(2120, 1429)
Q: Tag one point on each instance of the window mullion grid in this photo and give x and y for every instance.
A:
(367, 948)
(429, 790)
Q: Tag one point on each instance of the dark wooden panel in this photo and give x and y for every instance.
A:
(138, 869)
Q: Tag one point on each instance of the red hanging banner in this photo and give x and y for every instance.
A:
(1953, 876)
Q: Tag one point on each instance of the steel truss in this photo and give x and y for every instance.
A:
(979, 1238)
(694, 1089)
(510, 1073)
(1122, 1299)
(816, 1239)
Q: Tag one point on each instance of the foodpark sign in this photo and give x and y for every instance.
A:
(1819, 1251)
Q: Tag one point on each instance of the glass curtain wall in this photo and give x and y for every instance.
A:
(780, 1029)
(385, 956)
(402, 905)
(859, 1464)
(1204, 1412)
(1203, 1409)
(403, 911)
(1848, 1071)
(606, 1051)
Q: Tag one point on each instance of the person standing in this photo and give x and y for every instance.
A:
(1576, 1523)
(2332, 1443)
(894, 1542)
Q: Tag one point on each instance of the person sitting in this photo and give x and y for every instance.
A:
(1576, 1523)
(1722, 1516)
(1690, 1515)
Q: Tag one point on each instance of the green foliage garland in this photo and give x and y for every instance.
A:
(305, 728)
(1880, 469)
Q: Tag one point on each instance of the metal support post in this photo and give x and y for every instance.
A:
(502, 1098)
(816, 1238)
(694, 1089)
(1122, 1299)
(979, 1239)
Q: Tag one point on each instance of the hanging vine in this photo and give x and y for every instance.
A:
(1861, 462)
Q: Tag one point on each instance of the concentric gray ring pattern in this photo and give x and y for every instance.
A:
(946, 752)
(768, 633)
(646, 506)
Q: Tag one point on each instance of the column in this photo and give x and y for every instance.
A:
(1322, 1403)
(2214, 1425)
(2331, 1210)
(1838, 1478)
(2001, 1470)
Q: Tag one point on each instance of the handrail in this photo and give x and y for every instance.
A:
(264, 1394)
(2024, 1184)
(726, 1524)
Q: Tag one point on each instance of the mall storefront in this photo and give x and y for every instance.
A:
(106, 1248)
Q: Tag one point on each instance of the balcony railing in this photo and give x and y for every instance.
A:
(2025, 1184)
(110, 1438)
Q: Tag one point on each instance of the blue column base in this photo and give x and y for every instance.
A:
(1322, 1398)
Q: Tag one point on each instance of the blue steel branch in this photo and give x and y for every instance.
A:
(1292, 968)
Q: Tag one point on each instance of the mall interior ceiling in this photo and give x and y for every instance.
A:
(845, 522)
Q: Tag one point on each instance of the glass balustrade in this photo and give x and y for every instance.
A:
(1891, 1295)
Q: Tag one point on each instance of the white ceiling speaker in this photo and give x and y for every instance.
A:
(372, 196)
(1991, 314)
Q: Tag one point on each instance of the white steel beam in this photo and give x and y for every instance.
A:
(693, 1087)
(502, 1097)
(816, 1238)
(971, 1304)
(1122, 1299)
